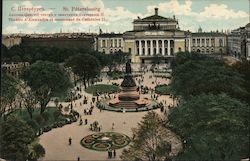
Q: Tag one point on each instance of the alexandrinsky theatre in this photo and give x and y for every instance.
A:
(160, 36)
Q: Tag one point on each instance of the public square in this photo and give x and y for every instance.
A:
(56, 141)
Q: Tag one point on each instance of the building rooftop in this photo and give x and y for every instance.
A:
(155, 17)
(205, 34)
(110, 35)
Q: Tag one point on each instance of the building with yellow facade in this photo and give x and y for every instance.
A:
(159, 36)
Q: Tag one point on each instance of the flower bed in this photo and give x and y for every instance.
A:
(105, 140)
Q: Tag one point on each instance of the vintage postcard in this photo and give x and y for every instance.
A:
(145, 80)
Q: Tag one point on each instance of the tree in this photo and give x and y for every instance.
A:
(46, 79)
(243, 68)
(9, 91)
(114, 60)
(37, 151)
(85, 66)
(215, 127)
(149, 140)
(15, 136)
(29, 100)
(205, 75)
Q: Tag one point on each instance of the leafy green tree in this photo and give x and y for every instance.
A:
(46, 79)
(37, 151)
(85, 66)
(114, 60)
(214, 126)
(205, 75)
(15, 136)
(9, 91)
(149, 140)
(244, 69)
(29, 100)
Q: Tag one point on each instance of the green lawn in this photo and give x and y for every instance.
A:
(102, 88)
(162, 89)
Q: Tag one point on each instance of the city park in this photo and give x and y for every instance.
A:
(93, 106)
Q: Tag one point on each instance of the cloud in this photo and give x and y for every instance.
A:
(10, 29)
(119, 18)
(32, 24)
(16, 29)
(173, 7)
(213, 11)
(216, 11)
(111, 16)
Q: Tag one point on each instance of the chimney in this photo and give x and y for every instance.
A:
(156, 11)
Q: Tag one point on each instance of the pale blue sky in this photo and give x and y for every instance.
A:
(209, 14)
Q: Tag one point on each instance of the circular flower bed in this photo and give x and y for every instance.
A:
(105, 140)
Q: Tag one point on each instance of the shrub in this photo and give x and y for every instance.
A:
(162, 89)
(45, 115)
(47, 128)
(39, 151)
(56, 114)
(33, 124)
(39, 119)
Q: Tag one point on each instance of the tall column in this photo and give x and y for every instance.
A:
(163, 47)
(200, 42)
(189, 45)
(157, 46)
(106, 43)
(146, 47)
(140, 51)
(210, 42)
(168, 47)
(101, 43)
(151, 47)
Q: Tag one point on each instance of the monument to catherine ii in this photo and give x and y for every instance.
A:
(129, 97)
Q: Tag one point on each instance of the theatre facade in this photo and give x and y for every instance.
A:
(151, 36)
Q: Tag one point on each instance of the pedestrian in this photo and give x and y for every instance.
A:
(70, 140)
(113, 124)
(99, 128)
(108, 154)
(114, 153)
(78, 158)
(86, 121)
(80, 121)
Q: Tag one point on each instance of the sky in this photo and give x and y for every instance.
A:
(118, 15)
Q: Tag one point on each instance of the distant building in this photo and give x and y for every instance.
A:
(110, 43)
(10, 41)
(160, 36)
(209, 42)
(59, 40)
(15, 69)
(239, 42)
(151, 36)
